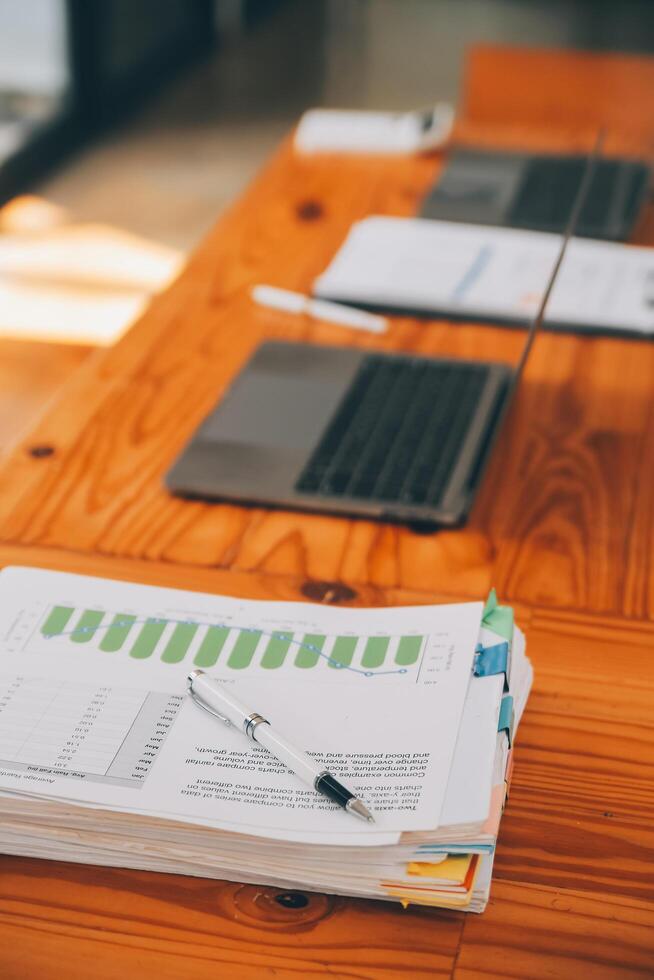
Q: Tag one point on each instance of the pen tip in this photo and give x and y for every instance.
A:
(360, 810)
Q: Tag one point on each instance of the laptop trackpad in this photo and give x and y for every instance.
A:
(264, 409)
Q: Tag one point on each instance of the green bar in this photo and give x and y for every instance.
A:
(177, 646)
(408, 650)
(275, 653)
(375, 651)
(148, 638)
(57, 620)
(116, 634)
(243, 649)
(211, 646)
(309, 653)
(87, 625)
(343, 651)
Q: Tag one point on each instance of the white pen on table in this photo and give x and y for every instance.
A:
(346, 316)
(217, 701)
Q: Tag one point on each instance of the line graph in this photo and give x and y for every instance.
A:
(235, 647)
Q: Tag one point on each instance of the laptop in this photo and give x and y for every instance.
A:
(345, 431)
(536, 192)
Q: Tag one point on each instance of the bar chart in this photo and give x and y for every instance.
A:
(237, 648)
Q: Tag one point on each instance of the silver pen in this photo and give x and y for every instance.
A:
(215, 699)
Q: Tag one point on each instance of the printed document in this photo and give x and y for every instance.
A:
(93, 704)
(475, 271)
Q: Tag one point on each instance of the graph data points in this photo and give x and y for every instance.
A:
(232, 647)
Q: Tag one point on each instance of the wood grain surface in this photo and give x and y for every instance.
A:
(554, 514)
(31, 374)
(564, 527)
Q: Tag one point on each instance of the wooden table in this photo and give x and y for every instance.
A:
(564, 528)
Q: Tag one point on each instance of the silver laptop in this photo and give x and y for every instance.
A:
(537, 191)
(345, 431)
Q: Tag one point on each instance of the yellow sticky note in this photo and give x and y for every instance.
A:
(454, 868)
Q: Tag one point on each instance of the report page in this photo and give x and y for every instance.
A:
(94, 709)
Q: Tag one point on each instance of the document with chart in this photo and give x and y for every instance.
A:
(93, 704)
(478, 271)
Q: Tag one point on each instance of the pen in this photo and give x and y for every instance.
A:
(212, 697)
(346, 316)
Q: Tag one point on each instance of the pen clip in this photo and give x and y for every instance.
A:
(205, 707)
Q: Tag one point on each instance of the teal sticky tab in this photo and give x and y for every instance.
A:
(505, 723)
(498, 618)
(491, 603)
(492, 660)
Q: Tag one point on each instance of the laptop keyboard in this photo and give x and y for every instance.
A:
(550, 188)
(397, 432)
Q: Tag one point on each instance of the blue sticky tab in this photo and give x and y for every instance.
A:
(492, 660)
(505, 723)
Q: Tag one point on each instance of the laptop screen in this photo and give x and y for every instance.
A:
(573, 220)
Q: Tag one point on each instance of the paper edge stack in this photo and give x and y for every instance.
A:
(450, 867)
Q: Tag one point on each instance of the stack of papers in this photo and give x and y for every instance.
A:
(499, 274)
(104, 759)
